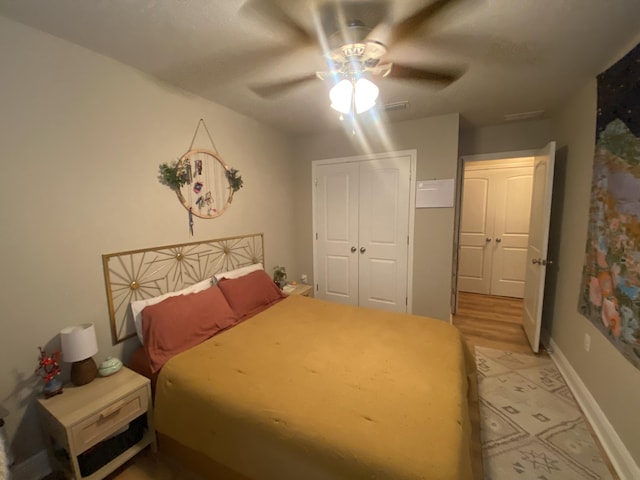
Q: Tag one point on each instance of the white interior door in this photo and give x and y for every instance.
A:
(336, 217)
(494, 228)
(512, 206)
(538, 243)
(384, 233)
(361, 216)
(474, 271)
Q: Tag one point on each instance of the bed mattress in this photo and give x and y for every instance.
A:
(315, 390)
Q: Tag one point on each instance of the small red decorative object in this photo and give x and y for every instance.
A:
(48, 367)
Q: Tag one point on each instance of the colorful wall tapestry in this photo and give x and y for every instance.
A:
(610, 294)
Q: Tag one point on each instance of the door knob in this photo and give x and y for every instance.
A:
(535, 261)
(488, 239)
(498, 240)
(353, 249)
(362, 249)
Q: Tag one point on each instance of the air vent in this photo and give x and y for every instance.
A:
(512, 117)
(396, 106)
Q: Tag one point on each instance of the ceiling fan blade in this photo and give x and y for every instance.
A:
(276, 89)
(273, 12)
(412, 24)
(439, 76)
(199, 74)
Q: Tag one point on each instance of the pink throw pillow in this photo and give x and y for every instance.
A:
(184, 321)
(250, 293)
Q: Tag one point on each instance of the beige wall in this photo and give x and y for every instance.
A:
(81, 138)
(611, 379)
(436, 142)
(507, 137)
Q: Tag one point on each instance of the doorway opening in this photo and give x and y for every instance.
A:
(502, 232)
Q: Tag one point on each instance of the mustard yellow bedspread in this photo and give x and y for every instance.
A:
(314, 390)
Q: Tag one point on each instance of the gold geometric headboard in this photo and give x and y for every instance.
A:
(149, 272)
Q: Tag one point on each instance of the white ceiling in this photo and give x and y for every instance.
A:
(519, 55)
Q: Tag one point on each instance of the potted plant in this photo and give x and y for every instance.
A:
(280, 276)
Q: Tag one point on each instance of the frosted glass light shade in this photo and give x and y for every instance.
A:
(340, 96)
(366, 94)
(78, 342)
(363, 93)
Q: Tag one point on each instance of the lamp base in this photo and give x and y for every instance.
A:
(84, 371)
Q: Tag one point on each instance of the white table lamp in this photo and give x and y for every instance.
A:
(79, 345)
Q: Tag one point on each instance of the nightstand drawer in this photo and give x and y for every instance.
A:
(109, 420)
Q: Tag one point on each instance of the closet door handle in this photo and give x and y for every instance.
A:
(498, 240)
(488, 239)
(353, 249)
(362, 249)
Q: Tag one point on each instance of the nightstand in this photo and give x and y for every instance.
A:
(95, 428)
(302, 289)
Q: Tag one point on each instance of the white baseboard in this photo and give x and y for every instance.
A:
(620, 458)
(34, 467)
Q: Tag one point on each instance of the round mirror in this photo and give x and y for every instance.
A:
(208, 190)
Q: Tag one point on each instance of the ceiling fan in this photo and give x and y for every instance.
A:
(355, 37)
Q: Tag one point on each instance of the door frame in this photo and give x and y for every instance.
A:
(412, 154)
(463, 161)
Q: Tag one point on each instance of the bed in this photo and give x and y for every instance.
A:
(291, 387)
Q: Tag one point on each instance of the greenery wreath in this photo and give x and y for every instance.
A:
(175, 175)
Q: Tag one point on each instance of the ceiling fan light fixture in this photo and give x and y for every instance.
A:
(366, 94)
(341, 95)
(362, 95)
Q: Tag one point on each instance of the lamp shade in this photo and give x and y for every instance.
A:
(78, 342)
(79, 345)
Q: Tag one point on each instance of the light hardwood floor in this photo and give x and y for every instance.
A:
(494, 322)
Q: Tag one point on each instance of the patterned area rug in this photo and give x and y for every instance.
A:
(530, 425)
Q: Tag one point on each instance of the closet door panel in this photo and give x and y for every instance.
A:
(384, 230)
(336, 213)
(511, 230)
(475, 250)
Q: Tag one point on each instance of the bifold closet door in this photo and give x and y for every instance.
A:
(511, 231)
(362, 221)
(476, 234)
(384, 234)
(336, 218)
(494, 231)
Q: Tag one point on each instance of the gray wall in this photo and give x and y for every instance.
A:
(81, 138)
(612, 380)
(508, 137)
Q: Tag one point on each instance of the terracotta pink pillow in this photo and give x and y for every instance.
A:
(184, 321)
(250, 293)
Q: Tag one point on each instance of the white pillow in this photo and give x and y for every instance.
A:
(239, 272)
(138, 305)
